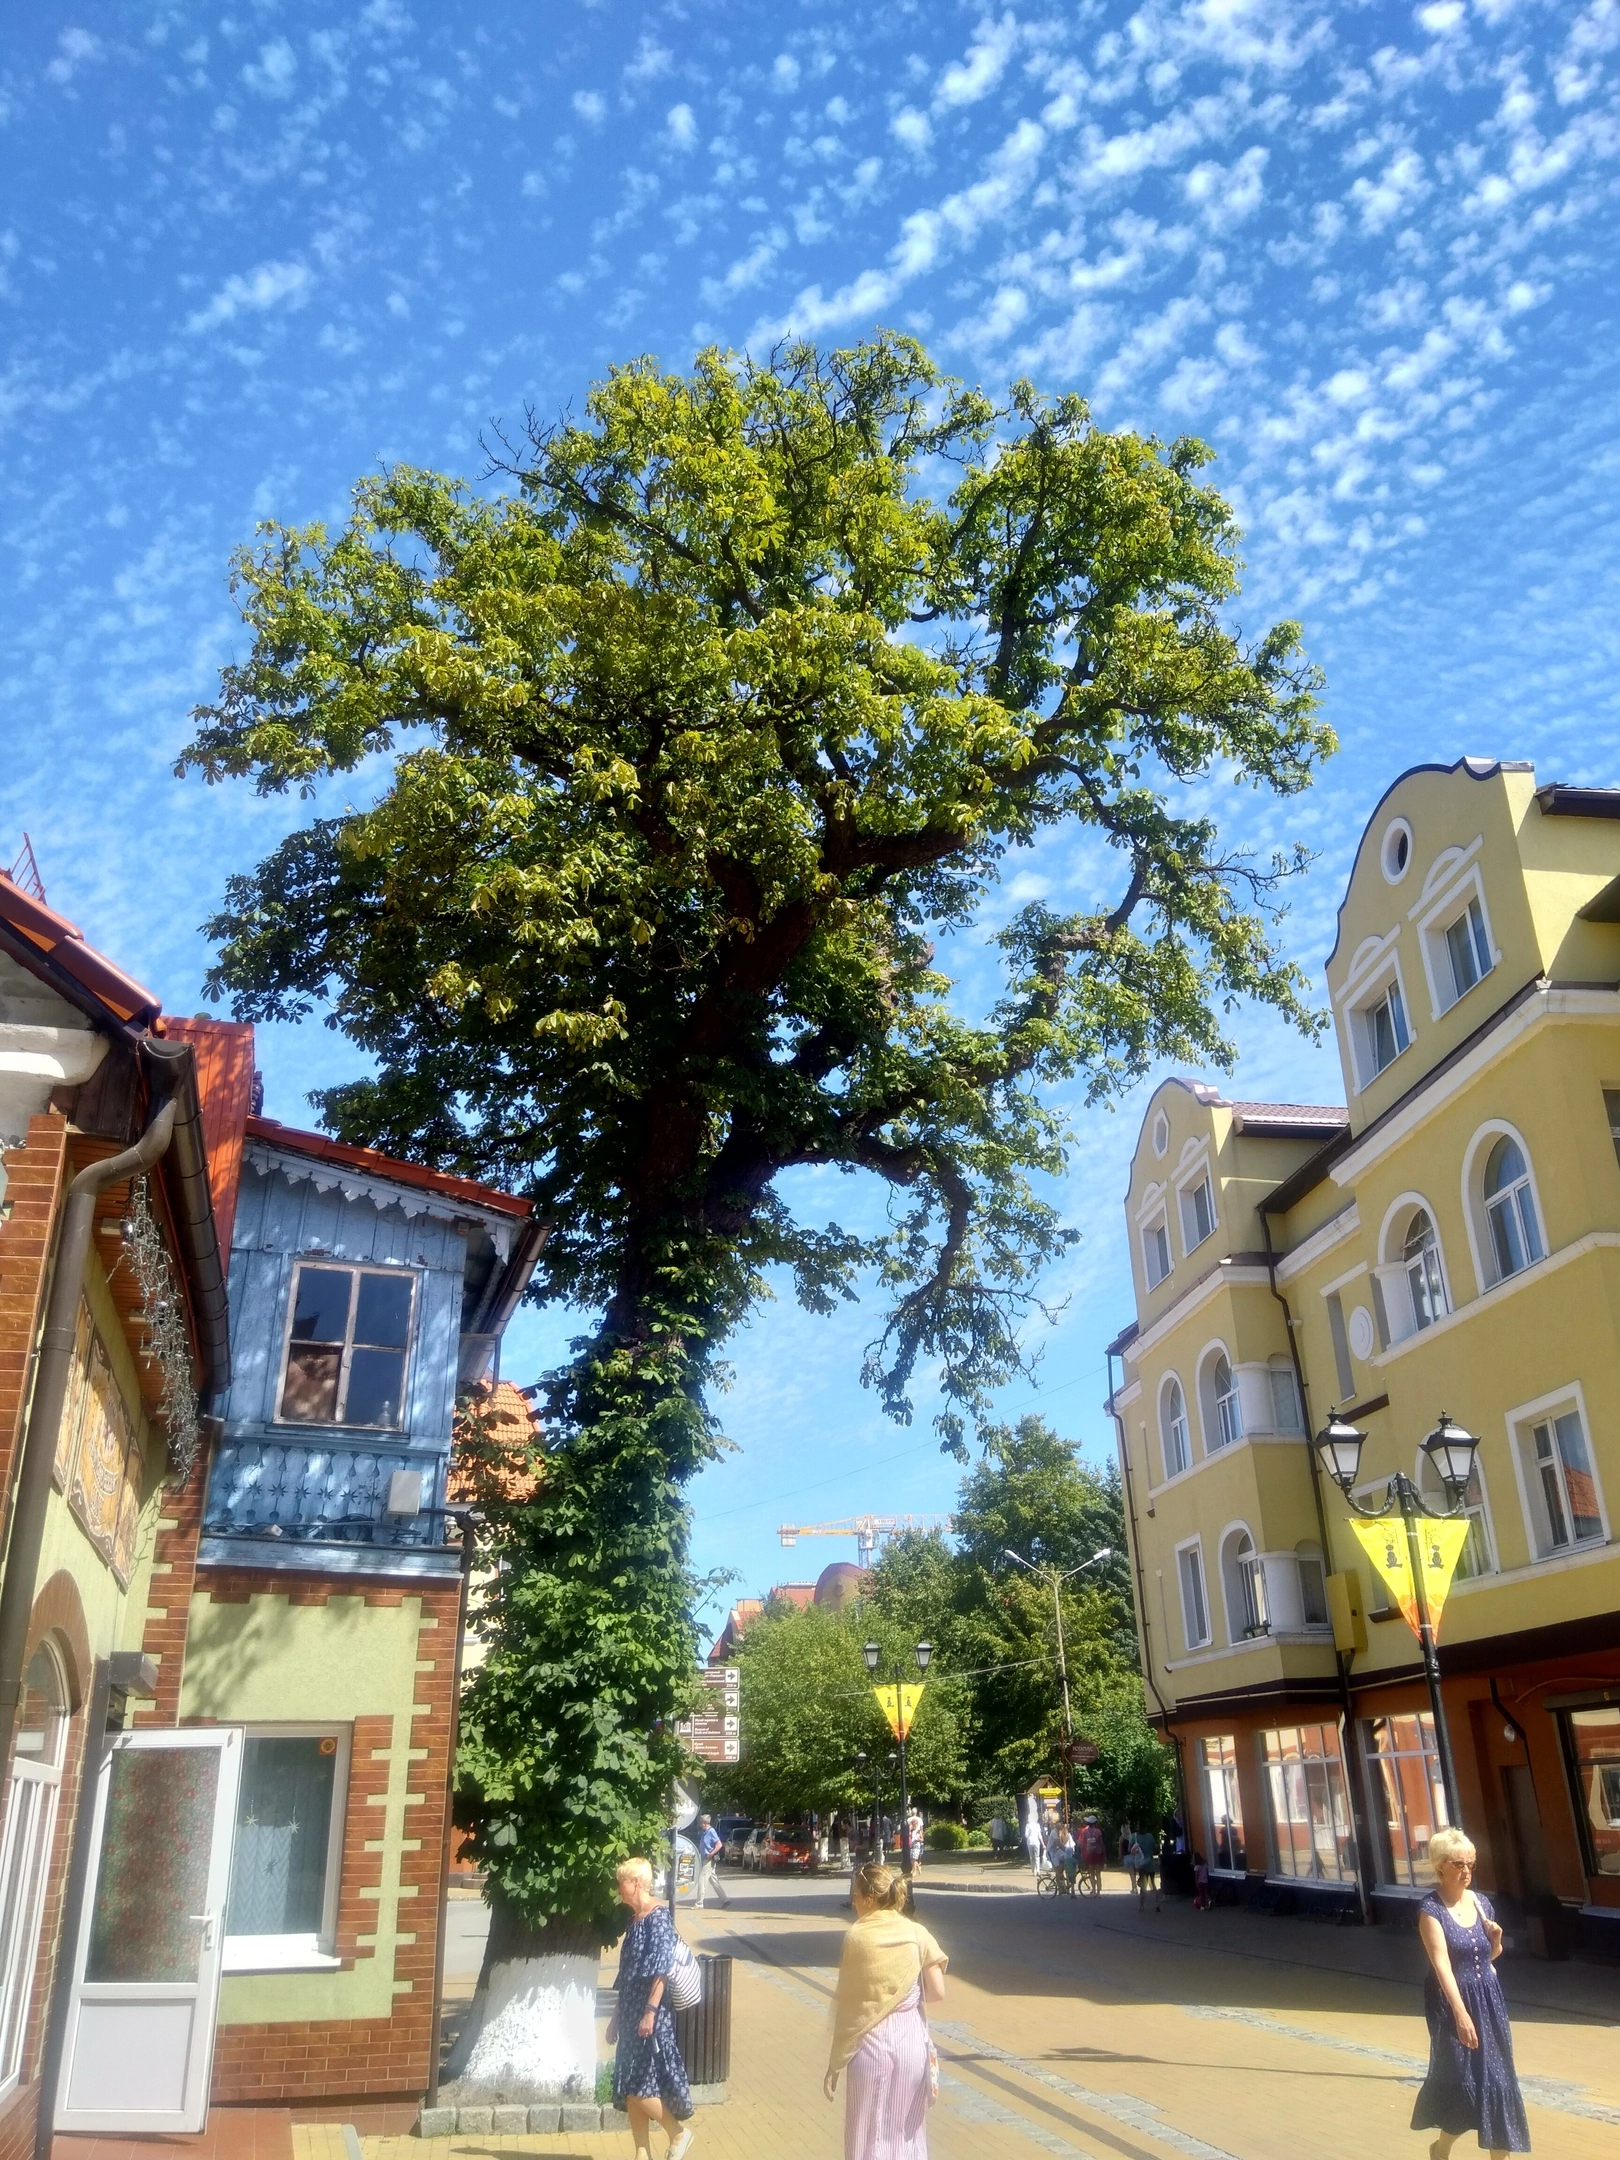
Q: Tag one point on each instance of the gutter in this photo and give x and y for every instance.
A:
(52, 1372)
(185, 1180)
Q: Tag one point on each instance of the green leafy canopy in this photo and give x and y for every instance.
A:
(700, 731)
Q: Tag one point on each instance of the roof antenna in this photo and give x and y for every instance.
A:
(24, 872)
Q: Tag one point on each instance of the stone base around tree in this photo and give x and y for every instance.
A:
(539, 2120)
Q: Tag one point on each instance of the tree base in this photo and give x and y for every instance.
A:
(531, 2035)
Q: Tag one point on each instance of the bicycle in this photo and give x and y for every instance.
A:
(1055, 1882)
(1090, 1882)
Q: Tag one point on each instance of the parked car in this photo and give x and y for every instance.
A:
(735, 1830)
(754, 1845)
(788, 1850)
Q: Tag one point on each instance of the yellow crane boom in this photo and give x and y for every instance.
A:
(868, 1531)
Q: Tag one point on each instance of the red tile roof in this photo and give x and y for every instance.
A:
(223, 1050)
(377, 1164)
(62, 943)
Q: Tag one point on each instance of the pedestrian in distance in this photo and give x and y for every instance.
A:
(1201, 1897)
(1471, 2084)
(649, 2077)
(710, 1847)
(1034, 1843)
(891, 1968)
(1093, 1849)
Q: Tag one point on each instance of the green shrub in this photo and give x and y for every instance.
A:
(945, 1837)
(978, 1840)
(604, 2083)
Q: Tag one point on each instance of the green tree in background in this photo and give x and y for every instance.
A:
(680, 750)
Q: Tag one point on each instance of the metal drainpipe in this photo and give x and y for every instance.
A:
(469, 1518)
(51, 1375)
(1142, 1601)
(1341, 1659)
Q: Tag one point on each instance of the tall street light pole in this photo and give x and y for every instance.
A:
(1051, 1575)
(1451, 1450)
(923, 1653)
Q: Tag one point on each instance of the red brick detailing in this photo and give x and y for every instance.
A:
(168, 1607)
(34, 1178)
(374, 2060)
(19, 2118)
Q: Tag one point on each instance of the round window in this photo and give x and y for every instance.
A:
(1397, 851)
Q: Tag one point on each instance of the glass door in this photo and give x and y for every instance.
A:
(140, 2037)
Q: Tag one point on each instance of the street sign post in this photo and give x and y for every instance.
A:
(714, 1734)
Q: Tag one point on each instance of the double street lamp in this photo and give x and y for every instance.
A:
(923, 1653)
(1052, 1576)
(1450, 1452)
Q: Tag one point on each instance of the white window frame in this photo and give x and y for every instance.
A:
(1426, 1479)
(1173, 1380)
(1186, 1191)
(1481, 1245)
(352, 1267)
(1215, 1442)
(1283, 1369)
(1157, 1226)
(1521, 1443)
(302, 1953)
(1358, 1019)
(1391, 1273)
(33, 1792)
(1252, 1563)
(1195, 1546)
(1433, 920)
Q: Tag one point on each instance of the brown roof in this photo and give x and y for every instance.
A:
(223, 1050)
(499, 1459)
(1289, 1117)
(62, 943)
(377, 1164)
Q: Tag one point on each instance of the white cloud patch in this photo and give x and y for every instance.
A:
(74, 49)
(785, 74)
(271, 285)
(972, 78)
(1397, 191)
(912, 128)
(275, 72)
(1227, 194)
(651, 60)
(591, 107)
(683, 128)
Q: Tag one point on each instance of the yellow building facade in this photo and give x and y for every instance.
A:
(1449, 1241)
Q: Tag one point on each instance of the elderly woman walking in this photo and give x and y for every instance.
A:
(1471, 2083)
(649, 2078)
(890, 1967)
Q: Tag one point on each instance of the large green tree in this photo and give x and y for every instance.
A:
(690, 737)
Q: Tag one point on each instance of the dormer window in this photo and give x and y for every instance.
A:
(1197, 1212)
(1385, 1032)
(1468, 949)
(1156, 1252)
(347, 1346)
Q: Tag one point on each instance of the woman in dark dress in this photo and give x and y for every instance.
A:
(1471, 2083)
(649, 2077)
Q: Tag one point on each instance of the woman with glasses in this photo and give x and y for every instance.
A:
(1471, 2083)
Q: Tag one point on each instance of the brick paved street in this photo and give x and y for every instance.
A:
(1091, 2030)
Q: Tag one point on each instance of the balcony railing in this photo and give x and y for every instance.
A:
(308, 1494)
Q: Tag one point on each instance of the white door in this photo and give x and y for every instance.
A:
(140, 2037)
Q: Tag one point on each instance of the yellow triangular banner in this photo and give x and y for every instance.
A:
(1440, 1541)
(899, 1706)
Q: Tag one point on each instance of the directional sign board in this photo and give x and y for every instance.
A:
(715, 1734)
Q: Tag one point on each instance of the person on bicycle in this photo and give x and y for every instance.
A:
(1061, 1856)
(1093, 1851)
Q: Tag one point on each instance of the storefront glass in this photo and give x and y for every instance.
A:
(1407, 1794)
(1223, 1807)
(1592, 1738)
(1310, 1804)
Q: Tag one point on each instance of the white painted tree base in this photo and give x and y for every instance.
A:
(531, 2035)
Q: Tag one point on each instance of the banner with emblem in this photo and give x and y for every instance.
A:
(1441, 1539)
(899, 1705)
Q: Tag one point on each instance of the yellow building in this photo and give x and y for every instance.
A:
(1451, 1241)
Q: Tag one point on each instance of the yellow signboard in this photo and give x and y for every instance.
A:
(1440, 1542)
(899, 1706)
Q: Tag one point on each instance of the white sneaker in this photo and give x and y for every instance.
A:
(680, 2146)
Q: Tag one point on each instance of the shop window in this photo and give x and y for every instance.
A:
(25, 1845)
(1478, 1556)
(347, 1346)
(1223, 1804)
(1312, 1839)
(1173, 1428)
(1194, 1601)
(1592, 1750)
(282, 1905)
(1510, 1210)
(1409, 1796)
(1559, 1482)
(1197, 1213)
(1156, 1252)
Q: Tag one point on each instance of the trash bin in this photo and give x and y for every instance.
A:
(704, 2032)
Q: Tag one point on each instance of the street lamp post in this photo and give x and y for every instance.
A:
(923, 1653)
(1451, 1450)
(877, 1804)
(1051, 1575)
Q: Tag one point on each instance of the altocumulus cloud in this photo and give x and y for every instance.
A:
(272, 284)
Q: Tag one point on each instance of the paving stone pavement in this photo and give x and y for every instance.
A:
(1093, 2032)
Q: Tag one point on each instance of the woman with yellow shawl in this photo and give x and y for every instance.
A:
(891, 1966)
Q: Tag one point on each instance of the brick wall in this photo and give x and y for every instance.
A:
(372, 2059)
(34, 1175)
(168, 1607)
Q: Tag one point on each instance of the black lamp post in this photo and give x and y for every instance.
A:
(877, 1803)
(923, 1653)
(1451, 1450)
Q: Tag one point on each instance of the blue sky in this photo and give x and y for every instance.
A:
(1367, 251)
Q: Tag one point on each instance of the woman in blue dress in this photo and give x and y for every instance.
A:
(1471, 2083)
(649, 2077)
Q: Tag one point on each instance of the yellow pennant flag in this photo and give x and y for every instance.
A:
(899, 1706)
(1440, 1541)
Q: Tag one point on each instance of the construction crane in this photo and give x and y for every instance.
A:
(867, 1530)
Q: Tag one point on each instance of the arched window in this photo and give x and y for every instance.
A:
(1244, 1579)
(25, 1845)
(1173, 1428)
(1510, 1209)
(1224, 1397)
(1420, 1255)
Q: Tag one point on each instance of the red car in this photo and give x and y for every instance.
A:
(788, 1851)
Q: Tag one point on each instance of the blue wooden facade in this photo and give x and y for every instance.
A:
(291, 1491)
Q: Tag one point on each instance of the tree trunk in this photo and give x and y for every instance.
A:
(531, 2033)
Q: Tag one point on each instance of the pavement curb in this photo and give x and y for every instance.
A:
(544, 2119)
